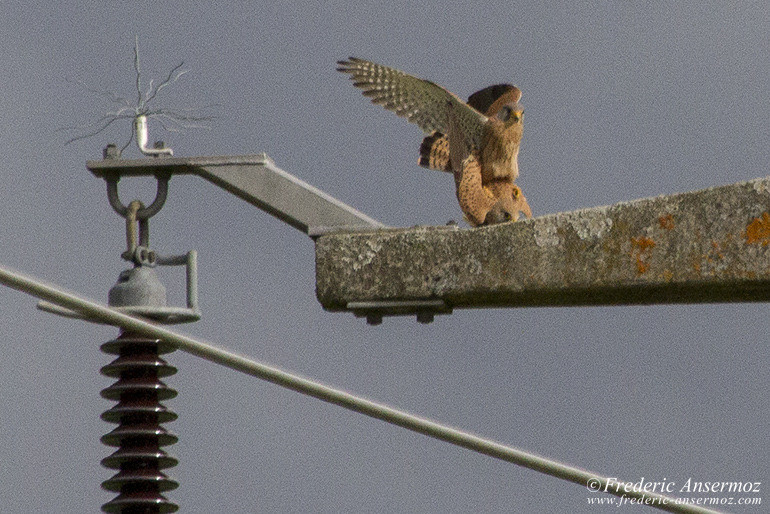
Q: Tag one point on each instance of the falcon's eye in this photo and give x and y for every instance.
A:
(504, 113)
(507, 216)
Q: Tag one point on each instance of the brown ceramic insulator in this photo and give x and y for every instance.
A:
(139, 436)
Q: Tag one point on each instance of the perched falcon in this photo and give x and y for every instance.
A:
(477, 141)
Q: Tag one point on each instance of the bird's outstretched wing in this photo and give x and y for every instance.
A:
(420, 101)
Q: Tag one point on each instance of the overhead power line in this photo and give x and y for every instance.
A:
(592, 481)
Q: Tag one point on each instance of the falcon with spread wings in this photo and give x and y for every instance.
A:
(477, 141)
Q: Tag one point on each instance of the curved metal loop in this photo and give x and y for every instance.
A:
(144, 213)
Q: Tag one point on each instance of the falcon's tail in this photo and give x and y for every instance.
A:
(434, 152)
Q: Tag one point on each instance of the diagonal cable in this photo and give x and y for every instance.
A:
(592, 481)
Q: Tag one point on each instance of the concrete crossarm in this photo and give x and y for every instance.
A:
(703, 246)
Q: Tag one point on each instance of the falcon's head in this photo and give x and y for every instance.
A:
(500, 102)
(508, 208)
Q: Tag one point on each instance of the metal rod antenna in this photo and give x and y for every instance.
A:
(593, 481)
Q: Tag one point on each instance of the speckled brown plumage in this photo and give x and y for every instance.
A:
(477, 141)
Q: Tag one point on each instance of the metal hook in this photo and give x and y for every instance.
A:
(145, 212)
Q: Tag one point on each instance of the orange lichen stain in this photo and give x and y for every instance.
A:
(758, 231)
(667, 221)
(641, 251)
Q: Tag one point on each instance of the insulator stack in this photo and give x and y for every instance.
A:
(139, 435)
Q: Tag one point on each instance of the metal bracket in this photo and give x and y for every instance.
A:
(254, 178)
(425, 310)
(155, 310)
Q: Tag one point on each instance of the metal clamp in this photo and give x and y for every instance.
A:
(425, 310)
(139, 292)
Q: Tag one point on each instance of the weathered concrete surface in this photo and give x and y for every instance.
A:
(704, 246)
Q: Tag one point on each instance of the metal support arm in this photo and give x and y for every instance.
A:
(256, 179)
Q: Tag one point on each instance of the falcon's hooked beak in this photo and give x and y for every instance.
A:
(510, 114)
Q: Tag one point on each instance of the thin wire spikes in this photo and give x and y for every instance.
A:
(172, 120)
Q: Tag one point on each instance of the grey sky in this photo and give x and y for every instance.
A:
(623, 100)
